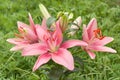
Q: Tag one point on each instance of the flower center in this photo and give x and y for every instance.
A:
(98, 34)
(51, 42)
(22, 32)
(19, 35)
(52, 45)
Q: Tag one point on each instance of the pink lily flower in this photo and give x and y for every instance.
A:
(51, 47)
(95, 40)
(27, 35)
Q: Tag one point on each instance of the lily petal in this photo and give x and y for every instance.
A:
(63, 57)
(18, 47)
(58, 34)
(102, 48)
(91, 54)
(34, 49)
(29, 33)
(43, 35)
(44, 24)
(72, 43)
(85, 34)
(102, 42)
(17, 41)
(42, 59)
(23, 25)
(91, 27)
(32, 25)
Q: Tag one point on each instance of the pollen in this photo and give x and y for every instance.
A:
(98, 34)
(21, 29)
(18, 35)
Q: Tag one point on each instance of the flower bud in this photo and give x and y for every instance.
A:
(44, 11)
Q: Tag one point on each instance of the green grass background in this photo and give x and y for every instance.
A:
(106, 66)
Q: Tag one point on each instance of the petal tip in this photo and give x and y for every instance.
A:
(71, 68)
(18, 22)
(93, 57)
(114, 51)
(94, 19)
(8, 40)
(112, 39)
(12, 49)
(34, 69)
(29, 14)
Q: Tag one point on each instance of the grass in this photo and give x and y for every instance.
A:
(105, 67)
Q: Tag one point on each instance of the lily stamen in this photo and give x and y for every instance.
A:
(98, 34)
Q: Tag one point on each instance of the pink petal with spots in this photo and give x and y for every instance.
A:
(91, 54)
(17, 41)
(34, 49)
(102, 48)
(32, 25)
(91, 27)
(28, 32)
(72, 43)
(102, 42)
(63, 57)
(85, 34)
(42, 33)
(42, 59)
(58, 34)
(44, 24)
(18, 47)
(23, 25)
